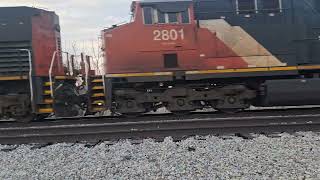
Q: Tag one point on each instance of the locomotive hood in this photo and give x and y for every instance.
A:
(16, 22)
(20, 11)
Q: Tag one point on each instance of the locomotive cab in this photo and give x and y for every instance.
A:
(161, 35)
(171, 32)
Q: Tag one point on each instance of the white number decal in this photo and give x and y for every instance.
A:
(166, 35)
(173, 35)
(157, 35)
(181, 32)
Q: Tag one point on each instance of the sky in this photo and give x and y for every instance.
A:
(81, 20)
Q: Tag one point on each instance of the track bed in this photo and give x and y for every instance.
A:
(158, 127)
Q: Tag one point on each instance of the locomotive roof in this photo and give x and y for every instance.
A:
(20, 11)
(167, 5)
(162, 1)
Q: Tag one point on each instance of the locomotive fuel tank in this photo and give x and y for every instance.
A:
(292, 92)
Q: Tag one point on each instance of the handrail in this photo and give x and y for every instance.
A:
(50, 72)
(87, 71)
(30, 75)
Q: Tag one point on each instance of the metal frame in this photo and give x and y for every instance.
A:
(87, 71)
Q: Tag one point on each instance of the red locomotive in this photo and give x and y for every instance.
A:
(163, 38)
(33, 80)
(181, 55)
(189, 55)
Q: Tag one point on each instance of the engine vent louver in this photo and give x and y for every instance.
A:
(14, 62)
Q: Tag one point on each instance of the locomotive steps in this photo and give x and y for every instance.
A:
(95, 130)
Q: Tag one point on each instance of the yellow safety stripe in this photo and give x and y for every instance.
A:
(309, 67)
(141, 74)
(13, 78)
(288, 68)
(218, 71)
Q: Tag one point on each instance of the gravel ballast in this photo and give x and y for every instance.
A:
(283, 157)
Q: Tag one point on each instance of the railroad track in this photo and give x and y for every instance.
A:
(108, 129)
(164, 116)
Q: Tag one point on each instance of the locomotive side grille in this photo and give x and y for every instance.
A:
(12, 61)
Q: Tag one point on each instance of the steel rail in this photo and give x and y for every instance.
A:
(158, 129)
(156, 117)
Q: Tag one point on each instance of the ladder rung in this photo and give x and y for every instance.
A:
(99, 102)
(97, 80)
(98, 109)
(47, 92)
(98, 95)
(46, 110)
(97, 88)
(48, 83)
(64, 77)
(48, 101)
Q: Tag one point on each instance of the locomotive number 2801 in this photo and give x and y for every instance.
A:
(168, 35)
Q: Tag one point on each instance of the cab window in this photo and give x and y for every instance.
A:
(172, 18)
(161, 17)
(147, 14)
(154, 16)
(185, 17)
